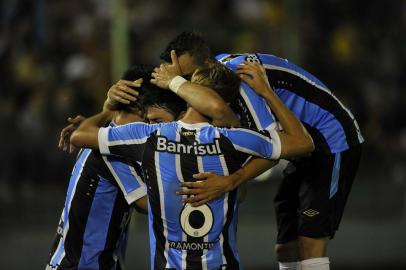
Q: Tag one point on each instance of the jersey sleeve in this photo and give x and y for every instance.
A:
(126, 140)
(128, 178)
(266, 144)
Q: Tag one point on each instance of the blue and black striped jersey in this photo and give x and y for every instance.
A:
(127, 175)
(332, 126)
(92, 231)
(181, 236)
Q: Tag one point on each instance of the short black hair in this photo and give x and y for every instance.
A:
(156, 97)
(134, 73)
(189, 42)
(219, 78)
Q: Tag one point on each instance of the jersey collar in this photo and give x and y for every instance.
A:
(193, 126)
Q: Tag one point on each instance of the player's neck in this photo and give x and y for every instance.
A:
(192, 117)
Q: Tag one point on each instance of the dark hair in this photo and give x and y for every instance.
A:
(219, 78)
(134, 73)
(156, 97)
(189, 42)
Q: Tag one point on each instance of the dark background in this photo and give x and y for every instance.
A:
(56, 61)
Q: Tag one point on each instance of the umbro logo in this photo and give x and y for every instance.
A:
(311, 213)
(189, 133)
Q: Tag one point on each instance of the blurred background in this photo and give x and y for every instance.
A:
(58, 59)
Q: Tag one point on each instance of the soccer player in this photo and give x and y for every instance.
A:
(92, 231)
(310, 201)
(182, 236)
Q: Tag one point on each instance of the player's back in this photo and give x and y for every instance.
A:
(93, 225)
(183, 237)
(331, 124)
(190, 237)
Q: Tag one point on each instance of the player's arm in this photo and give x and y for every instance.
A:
(213, 106)
(114, 95)
(201, 98)
(212, 185)
(294, 140)
(141, 205)
(126, 140)
(86, 135)
(250, 143)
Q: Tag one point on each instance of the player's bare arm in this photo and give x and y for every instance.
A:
(215, 185)
(141, 205)
(295, 140)
(86, 135)
(116, 93)
(194, 94)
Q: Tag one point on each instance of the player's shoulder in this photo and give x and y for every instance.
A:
(234, 130)
(228, 58)
(142, 125)
(272, 62)
(161, 127)
(262, 58)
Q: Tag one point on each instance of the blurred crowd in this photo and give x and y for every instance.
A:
(55, 62)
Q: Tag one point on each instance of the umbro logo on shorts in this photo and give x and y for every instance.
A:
(311, 213)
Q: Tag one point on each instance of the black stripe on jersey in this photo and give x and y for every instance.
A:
(58, 237)
(81, 204)
(311, 93)
(318, 138)
(132, 151)
(232, 262)
(189, 166)
(151, 179)
(118, 225)
(233, 160)
(240, 107)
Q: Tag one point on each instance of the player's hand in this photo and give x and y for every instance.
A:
(164, 74)
(255, 76)
(211, 187)
(64, 142)
(122, 92)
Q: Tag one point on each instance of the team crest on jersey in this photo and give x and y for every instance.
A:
(253, 58)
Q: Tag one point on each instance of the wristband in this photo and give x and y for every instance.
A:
(176, 83)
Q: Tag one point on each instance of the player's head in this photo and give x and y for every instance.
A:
(162, 105)
(131, 74)
(219, 78)
(192, 51)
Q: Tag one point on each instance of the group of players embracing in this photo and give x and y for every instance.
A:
(178, 140)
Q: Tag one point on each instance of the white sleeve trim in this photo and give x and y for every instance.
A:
(103, 140)
(136, 194)
(276, 144)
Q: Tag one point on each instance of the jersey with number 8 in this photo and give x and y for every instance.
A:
(182, 236)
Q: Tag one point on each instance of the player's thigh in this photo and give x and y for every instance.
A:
(348, 168)
(286, 202)
(324, 191)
